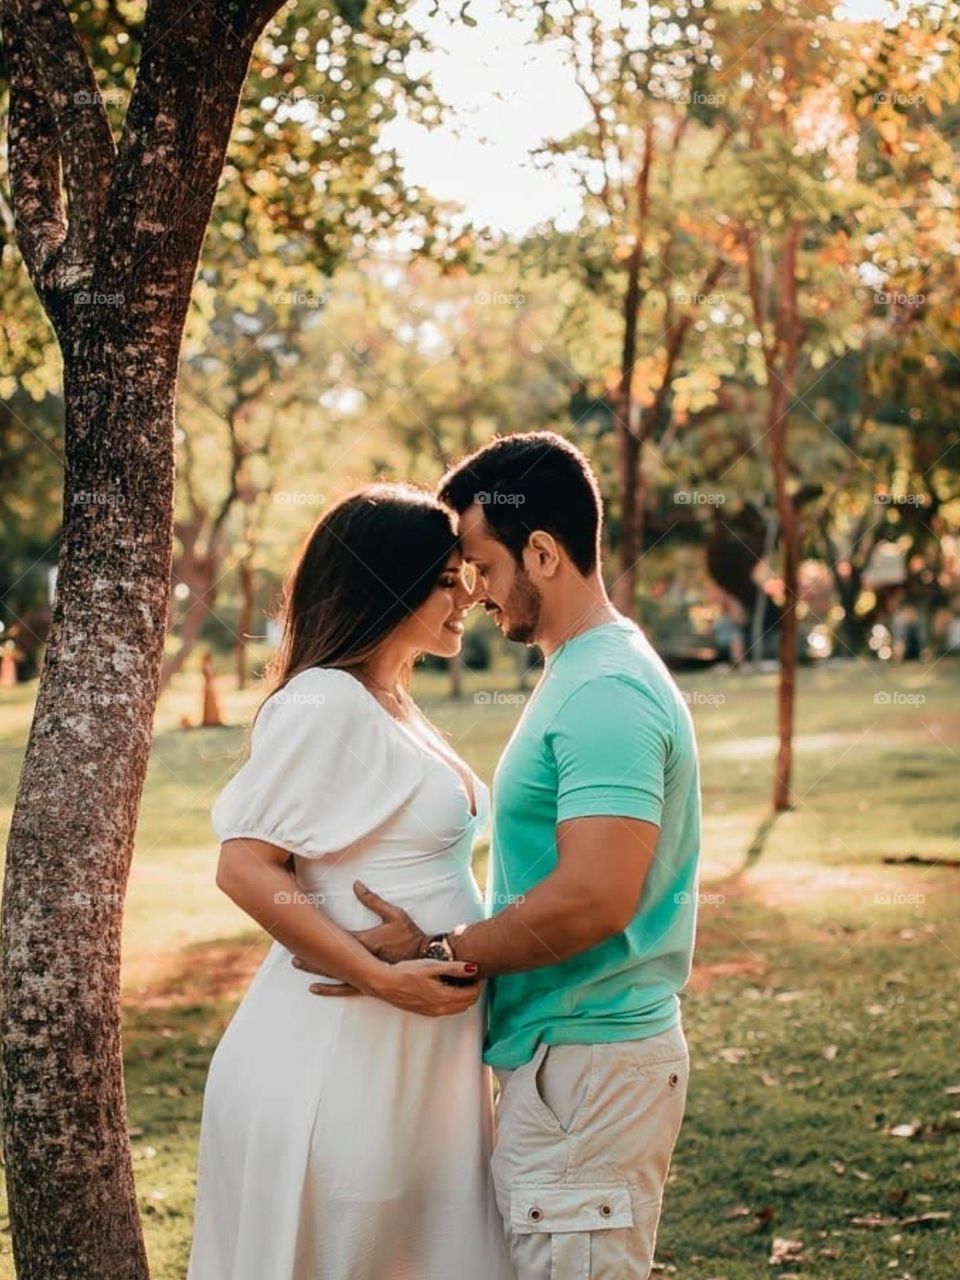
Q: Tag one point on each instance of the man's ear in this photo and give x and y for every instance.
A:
(542, 553)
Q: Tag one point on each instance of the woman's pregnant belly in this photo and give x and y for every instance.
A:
(278, 1010)
(437, 900)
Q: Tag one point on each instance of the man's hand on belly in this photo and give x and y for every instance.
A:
(398, 938)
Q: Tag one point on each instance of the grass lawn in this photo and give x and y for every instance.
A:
(824, 1106)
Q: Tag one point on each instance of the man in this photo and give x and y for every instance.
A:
(592, 886)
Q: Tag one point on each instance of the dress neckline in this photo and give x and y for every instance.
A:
(473, 800)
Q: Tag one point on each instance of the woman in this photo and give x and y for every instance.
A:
(350, 1139)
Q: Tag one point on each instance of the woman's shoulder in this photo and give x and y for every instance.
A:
(315, 702)
(328, 687)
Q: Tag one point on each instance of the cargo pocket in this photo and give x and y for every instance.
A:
(570, 1231)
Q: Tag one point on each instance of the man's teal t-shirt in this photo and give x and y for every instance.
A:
(606, 732)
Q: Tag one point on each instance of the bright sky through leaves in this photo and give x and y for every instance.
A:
(506, 94)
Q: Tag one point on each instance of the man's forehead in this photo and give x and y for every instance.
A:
(474, 531)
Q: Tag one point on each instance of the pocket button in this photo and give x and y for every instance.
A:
(535, 1214)
(605, 1211)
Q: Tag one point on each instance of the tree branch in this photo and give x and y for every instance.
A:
(248, 17)
(40, 220)
(63, 78)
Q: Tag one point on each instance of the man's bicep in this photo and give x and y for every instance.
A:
(608, 858)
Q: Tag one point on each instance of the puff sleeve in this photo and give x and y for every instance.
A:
(326, 767)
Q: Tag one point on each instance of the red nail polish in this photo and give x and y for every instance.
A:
(471, 968)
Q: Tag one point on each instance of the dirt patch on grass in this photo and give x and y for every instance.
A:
(704, 976)
(201, 974)
(868, 887)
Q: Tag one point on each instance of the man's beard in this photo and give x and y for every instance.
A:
(523, 610)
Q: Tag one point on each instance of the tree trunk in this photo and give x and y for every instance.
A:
(788, 618)
(247, 605)
(73, 1204)
(781, 391)
(456, 676)
(211, 714)
(201, 577)
(624, 589)
(111, 238)
(758, 618)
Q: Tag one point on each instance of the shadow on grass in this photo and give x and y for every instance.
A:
(758, 843)
(202, 973)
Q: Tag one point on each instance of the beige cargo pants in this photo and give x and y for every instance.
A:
(584, 1139)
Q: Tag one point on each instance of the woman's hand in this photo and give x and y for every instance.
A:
(415, 985)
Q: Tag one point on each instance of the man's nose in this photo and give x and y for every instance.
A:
(466, 596)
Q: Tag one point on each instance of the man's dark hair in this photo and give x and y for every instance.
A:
(533, 480)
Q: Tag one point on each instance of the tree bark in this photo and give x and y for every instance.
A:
(202, 537)
(624, 589)
(113, 266)
(782, 374)
(632, 430)
(199, 572)
(247, 605)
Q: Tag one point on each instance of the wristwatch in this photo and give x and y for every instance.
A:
(438, 948)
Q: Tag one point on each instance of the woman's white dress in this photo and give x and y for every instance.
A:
(345, 1139)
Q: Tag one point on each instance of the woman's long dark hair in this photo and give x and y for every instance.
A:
(367, 564)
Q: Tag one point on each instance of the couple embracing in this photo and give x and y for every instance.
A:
(348, 1128)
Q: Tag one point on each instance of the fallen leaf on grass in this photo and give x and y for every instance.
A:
(783, 1251)
(732, 1055)
(761, 1218)
(830, 1052)
(925, 1219)
(904, 1131)
(874, 1221)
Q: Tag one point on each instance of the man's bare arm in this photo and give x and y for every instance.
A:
(592, 894)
